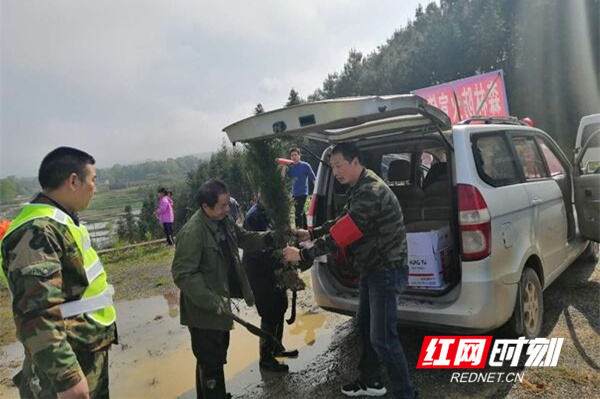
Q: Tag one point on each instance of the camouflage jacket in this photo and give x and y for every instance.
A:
(376, 212)
(45, 268)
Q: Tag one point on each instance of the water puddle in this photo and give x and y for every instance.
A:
(310, 334)
(154, 357)
(307, 325)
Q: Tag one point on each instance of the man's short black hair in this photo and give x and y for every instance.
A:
(348, 150)
(60, 163)
(295, 149)
(210, 191)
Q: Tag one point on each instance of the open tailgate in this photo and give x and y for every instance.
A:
(338, 119)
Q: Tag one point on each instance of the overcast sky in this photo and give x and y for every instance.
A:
(152, 79)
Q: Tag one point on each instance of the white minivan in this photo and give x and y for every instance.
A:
(518, 212)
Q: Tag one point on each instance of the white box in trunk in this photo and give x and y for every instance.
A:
(429, 253)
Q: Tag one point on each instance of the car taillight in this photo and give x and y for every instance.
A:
(310, 215)
(475, 223)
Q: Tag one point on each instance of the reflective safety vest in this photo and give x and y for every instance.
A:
(97, 299)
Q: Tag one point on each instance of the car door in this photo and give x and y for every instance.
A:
(560, 170)
(549, 217)
(587, 188)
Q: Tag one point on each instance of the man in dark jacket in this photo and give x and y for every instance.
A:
(271, 300)
(371, 228)
(208, 271)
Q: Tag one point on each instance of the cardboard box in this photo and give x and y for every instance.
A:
(424, 238)
(429, 270)
(429, 253)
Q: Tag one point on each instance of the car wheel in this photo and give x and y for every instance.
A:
(591, 252)
(529, 308)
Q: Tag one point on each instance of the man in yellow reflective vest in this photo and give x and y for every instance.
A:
(61, 300)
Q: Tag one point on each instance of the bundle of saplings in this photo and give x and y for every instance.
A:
(267, 178)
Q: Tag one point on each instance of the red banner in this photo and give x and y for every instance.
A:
(479, 95)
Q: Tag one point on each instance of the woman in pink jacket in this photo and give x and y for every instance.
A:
(164, 213)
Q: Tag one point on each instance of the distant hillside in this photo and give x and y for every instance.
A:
(121, 176)
(14, 189)
(203, 156)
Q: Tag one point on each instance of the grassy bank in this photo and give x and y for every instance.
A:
(137, 273)
(141, 272)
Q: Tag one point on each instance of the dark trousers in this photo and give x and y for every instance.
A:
(299, 214)
(168, 228)
(271, 301)
(271, 306)
(271, 309)
(33, 382)
(377, 329)
(210, 349)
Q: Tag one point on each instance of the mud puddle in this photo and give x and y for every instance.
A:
(311, 334)
(154, 360)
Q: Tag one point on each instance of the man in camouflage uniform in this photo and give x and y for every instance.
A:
(371, 229)
(43, 263)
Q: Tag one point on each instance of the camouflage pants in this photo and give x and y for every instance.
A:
(34, 384)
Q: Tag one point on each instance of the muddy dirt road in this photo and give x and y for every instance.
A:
(154, 360)
(572, 306)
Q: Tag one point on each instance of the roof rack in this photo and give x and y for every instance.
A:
(490, 120)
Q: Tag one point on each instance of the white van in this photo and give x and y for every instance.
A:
(518, 212)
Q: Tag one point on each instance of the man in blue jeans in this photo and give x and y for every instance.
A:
(300, 172)
(371, 229)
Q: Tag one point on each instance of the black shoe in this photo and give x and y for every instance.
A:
(359, 388)
(274, 366)
(286, 353)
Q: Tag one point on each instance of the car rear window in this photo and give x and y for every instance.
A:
(494, 160)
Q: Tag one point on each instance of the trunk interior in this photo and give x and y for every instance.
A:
(416, 171)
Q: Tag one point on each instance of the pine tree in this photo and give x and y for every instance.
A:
(293, 98)
(147, 225)
(259, 109)
(126, 229)
(275, 194)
